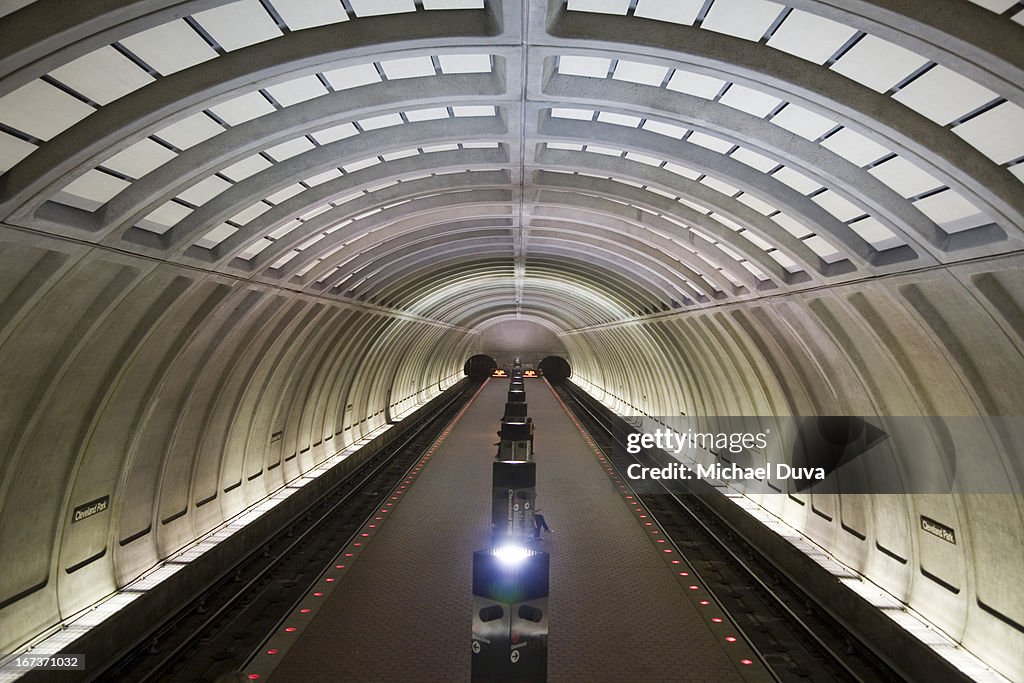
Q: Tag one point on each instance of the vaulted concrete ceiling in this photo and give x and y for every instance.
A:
(576, 163)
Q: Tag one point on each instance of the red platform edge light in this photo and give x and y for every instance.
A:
(408, 480)
(639, 509)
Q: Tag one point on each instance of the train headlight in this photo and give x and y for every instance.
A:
(511, 555)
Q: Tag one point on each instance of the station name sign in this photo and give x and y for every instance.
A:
(938, 529)
(93, 507)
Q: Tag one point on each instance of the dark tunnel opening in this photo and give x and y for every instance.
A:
(556, 369)
(479, 367)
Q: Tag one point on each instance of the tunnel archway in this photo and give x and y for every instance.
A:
(237, 217)
(479, 367)
(556, 369)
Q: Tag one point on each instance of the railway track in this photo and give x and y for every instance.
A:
(218, 632)
(797, 639)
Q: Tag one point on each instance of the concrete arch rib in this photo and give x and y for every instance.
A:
(571, 298)
(602, 273)
(857, 251)
(966, 38)
(648, 248)
(383, 204)
(42, 39)
(498, 320)
(630, 260)
(757, 134)
(599, 274)
(492, 274)
(607, 304)
(469, 309)
(320, 260)
(796, 80)
(663, 256)
(424, 283)
(486, 307)
(383, 261)
(606, 249)
(706, 261)
(551, 304)
(480, 207)
(333, 203)
(488, 311)
(912, 225)
(259, 134)
(115, 126)
(564, 204)
(442, 213)
(298, 168)
(427, 289)
(437, 254)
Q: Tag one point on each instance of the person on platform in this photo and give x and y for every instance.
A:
(539, 523)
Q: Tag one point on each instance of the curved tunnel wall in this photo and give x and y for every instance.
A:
(183, 396)
(946, 342)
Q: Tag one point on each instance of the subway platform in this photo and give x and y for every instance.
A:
(396, 605)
